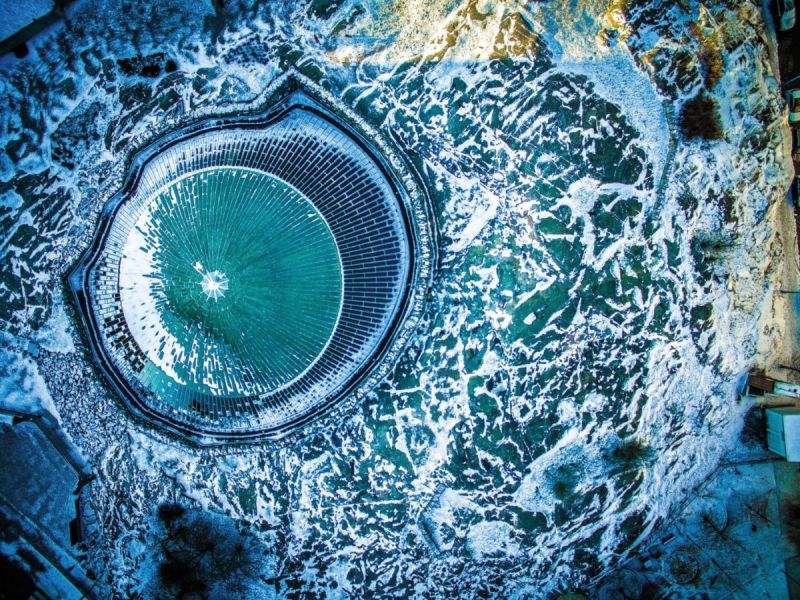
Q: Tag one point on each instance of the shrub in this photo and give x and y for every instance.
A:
(699, 118)
(631, 451)
(169, 512)
(628, 455)
(203, 555)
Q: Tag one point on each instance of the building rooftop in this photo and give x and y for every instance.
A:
(250, 275)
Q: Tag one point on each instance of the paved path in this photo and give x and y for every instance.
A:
(661, 189)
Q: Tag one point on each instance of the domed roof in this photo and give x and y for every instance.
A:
(251, 273)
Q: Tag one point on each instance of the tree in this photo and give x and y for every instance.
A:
(203, 555)
(699, 118)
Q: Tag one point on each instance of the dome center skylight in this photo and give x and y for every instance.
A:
(214, 284)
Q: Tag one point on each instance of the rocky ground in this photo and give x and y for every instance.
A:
(604, 280)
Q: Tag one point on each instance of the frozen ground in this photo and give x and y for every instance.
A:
(602, 283)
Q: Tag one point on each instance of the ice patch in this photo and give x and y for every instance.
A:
(22, 387)
(56, 335)
(492, 539)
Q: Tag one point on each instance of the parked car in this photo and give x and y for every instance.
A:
(793, 100)
(785, 14)
(796, 144)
